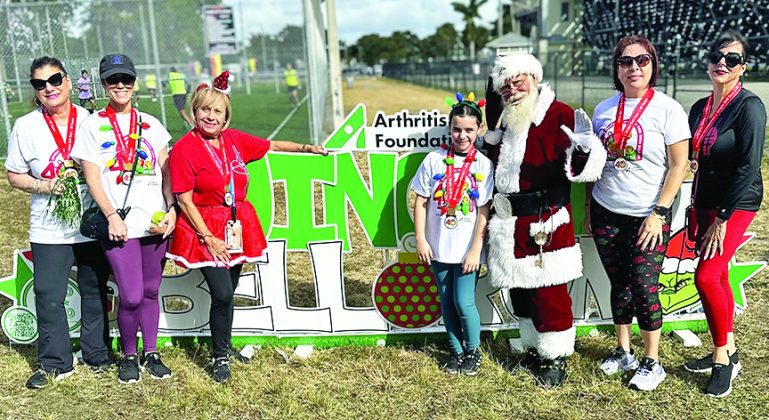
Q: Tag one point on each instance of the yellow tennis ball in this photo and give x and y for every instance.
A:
(158, 216)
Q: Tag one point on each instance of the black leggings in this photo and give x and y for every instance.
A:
(53, 263)
(222, 283)
(634, 274)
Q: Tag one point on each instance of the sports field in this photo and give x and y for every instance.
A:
(385, 382)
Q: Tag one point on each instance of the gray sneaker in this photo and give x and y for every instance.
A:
(619, 360)
(648, 376)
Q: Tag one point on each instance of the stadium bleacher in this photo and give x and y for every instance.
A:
(681, 30)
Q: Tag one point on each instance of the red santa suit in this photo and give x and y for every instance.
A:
(532, 248)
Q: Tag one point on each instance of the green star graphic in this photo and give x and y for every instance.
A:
(12, 286)
(739, 274)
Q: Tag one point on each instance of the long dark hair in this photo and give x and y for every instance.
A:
(648, 46)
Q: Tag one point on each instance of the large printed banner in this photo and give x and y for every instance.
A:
(404, 295)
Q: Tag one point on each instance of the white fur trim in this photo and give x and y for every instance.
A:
(512, 65)
(513, 149)
(555, 344)
(546, 98)
(507, 271)
(240, 260)
(595, 162)
(560, 218)
(493, 137)
(527, 332)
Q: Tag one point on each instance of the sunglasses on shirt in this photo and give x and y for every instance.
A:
(56, 79)
(125, 79)
(731, 59)
(627, 61)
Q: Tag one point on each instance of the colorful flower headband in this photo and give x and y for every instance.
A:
(469, 101)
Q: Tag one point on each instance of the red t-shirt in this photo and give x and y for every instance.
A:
(193, 169)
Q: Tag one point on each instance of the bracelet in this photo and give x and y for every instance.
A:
(36, 186)
(302, 148)
(111, 214)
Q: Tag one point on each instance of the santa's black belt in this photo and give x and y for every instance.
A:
(537, 202)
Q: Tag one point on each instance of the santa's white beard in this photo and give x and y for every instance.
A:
(519, 116)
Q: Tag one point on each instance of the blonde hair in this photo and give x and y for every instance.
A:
(212, 98)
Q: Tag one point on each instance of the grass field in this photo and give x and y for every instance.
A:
(389, 382)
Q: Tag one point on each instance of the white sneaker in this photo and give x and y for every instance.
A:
(619, 360)
(649, 375)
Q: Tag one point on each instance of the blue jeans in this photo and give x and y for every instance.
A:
(460, 315)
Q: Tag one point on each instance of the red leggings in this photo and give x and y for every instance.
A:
(712, 276)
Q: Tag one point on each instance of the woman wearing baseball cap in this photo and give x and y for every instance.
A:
(124, 155)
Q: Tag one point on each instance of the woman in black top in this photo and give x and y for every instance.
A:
(726, 149)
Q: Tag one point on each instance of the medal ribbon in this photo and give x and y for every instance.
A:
(454, 192)
(621, 136)
(222, 164)
(65, 147)
(124, 148)
(706, 123)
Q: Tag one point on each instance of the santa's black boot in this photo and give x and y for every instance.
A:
(531, 361)
(551, 372)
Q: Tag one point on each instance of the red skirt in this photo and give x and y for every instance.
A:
(188, 251)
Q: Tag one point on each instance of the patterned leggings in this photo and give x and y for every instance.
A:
(634, 274)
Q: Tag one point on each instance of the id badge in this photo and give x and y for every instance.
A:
(233, 236)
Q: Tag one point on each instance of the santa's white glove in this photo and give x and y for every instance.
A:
(582, 136)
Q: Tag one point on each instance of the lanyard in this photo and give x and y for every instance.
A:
(454, 192)
(64, 147)
(124, 148)
(621, 136)
(707, 122)
(225, 169)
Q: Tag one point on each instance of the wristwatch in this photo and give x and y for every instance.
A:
(661, 211)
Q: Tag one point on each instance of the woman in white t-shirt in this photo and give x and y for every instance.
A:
(454, 187)
(119, 148)
(39, 162)
(646, 138)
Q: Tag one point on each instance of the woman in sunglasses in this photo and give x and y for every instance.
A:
(124, 155)
(38, 162)
(629, 207)
(729, 128)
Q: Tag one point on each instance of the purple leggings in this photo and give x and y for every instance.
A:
(138, 268)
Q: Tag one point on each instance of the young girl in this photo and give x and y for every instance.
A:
(454, 188)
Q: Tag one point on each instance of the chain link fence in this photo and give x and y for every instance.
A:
(165, 35)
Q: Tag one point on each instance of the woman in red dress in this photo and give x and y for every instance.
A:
(218, 230)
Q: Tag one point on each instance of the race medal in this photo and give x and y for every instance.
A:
(621, 165)
(451, 212)
(540, 238)
(127, 178)
(228, 198)
(694, 166)
(70, 173)
(450, 222)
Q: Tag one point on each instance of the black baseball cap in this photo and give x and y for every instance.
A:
(116, 64)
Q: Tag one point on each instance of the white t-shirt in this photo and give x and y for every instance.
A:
(635, 192)
(451, 245)
(32, 149)
(146, 196)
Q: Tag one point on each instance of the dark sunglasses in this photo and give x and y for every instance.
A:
(731, 59)
(627, 61)
(56, 79)
(125, 79)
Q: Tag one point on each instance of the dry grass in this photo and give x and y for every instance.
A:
(389, 382)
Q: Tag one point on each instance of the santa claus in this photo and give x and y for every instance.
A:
(537, 152)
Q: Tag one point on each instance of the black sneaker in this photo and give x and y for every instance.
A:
(720, 384)
(705, 364)
(551, 372)
(221, 370)
(155, 367)
(128, 370)
(41, 378)
(471, 363)
(100, 367)
(234, 354)
(454, 364)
